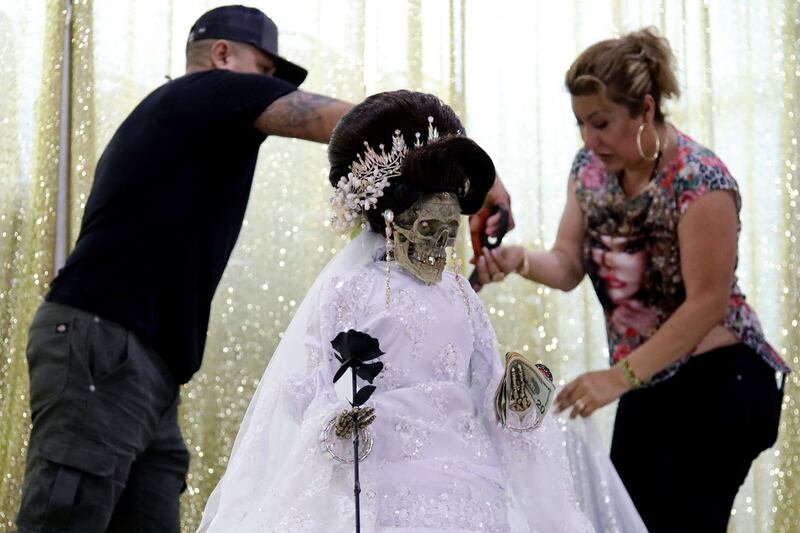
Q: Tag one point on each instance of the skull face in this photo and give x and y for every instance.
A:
(423, 232)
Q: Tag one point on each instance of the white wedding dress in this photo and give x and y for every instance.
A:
(440, 462)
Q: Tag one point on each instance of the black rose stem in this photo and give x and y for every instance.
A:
(354, 349)
(357, 482)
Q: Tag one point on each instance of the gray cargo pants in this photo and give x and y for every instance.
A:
(105, 452)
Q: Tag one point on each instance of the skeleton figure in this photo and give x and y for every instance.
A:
(423, 232)
(421, 235)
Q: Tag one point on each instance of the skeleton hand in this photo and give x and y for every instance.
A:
(524, 395)
(344, 422)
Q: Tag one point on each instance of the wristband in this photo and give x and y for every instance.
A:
(630, 376)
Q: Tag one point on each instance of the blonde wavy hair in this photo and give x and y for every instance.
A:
(625, 70)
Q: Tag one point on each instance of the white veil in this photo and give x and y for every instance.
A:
(601, 495)
(261, 462)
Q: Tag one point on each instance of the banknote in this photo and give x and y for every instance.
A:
(524, 395)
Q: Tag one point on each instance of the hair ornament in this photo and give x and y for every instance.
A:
(369, 175)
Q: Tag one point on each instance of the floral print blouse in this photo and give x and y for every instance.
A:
(631, 250)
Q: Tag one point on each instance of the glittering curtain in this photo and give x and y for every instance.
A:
(31, 43)
(501, 65)
(786, 479)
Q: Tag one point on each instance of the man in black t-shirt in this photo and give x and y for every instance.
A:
(125, 320)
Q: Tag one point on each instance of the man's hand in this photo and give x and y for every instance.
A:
(498, 195)
(344, 422)
(484, 223)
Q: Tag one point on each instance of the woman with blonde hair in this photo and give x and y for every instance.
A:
(649, 207)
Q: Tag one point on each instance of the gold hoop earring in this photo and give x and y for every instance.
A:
(639, 142)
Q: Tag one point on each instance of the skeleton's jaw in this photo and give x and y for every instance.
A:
(426, 267)
(437, 260)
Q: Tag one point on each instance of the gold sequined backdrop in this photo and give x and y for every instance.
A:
(500, 64)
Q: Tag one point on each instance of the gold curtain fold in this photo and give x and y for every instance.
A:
(29, 129)
(82, 134)
(500, 65)
(787, 484)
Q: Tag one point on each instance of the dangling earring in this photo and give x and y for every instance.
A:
(639, 142)
(456, 262)
(457, 269)
(388, 218)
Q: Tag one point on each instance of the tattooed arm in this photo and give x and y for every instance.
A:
(302, 115)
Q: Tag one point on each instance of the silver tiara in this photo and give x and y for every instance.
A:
(369, 175)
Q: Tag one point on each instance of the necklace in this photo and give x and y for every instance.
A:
(654, 172)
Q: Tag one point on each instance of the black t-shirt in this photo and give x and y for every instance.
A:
(165, 210)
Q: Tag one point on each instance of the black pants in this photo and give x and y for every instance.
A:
(105, 452)
(683, 447)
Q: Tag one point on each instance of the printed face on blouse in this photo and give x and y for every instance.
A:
(608, 130)
(621, 263)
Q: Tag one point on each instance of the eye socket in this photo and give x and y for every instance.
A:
(426, 227)
(434, 227)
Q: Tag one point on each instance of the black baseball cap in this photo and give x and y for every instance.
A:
(250, 26)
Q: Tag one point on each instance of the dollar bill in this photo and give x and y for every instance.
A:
(524, 395)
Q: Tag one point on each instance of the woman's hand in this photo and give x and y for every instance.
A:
(591, 391)
(495, 265)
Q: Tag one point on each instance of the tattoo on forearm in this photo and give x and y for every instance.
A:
(299, 114)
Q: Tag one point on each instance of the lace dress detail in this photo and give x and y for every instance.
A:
(413, 434)
(413, 315)
(449, 364)
(447, 508)
(391, 377)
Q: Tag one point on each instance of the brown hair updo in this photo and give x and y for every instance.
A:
(626, 69)
(454, 163)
